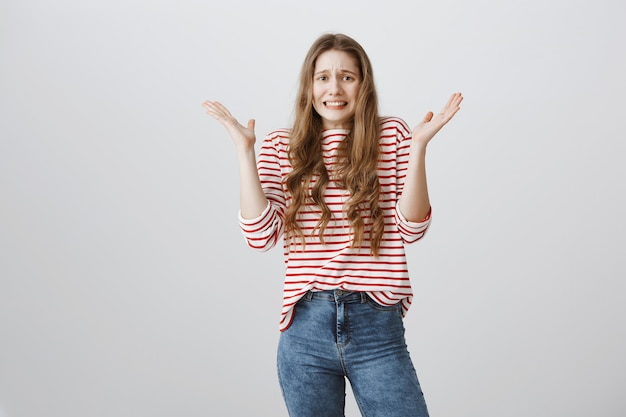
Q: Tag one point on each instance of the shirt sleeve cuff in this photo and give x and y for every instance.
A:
(256, 219)
(416, 225)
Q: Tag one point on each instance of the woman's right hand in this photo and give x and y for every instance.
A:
(243, 137)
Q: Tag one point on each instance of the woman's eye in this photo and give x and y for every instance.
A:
(322, 78)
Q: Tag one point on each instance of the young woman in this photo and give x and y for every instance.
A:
(345, 189)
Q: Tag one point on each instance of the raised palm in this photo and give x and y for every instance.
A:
(431, 124)
(243, 137)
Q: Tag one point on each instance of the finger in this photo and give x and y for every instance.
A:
(217, 107)
(251, 124)
(453, 101)
(218, 112)
(428, 117)
(450, 101)
(211, 108)
(452, 106)
(457, 98)
(207, 104)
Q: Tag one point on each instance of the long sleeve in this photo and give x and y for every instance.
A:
(262, 233)
(336, 263)
(395, 129)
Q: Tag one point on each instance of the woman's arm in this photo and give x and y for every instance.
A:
(414, 202)
(252, 200)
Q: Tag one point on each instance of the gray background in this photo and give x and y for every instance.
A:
(126, 288)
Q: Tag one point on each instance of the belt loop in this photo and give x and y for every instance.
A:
(363, 297)
(308, 296)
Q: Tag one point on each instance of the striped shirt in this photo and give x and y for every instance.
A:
(334, 264)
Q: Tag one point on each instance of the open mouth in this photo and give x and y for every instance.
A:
(335, 104)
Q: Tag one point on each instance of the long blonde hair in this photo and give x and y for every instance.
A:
(357, 153)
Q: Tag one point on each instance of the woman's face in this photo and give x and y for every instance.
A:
(336, 82)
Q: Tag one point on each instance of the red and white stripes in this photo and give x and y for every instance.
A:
(334, 264)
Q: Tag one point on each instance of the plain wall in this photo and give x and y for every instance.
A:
(127, 290)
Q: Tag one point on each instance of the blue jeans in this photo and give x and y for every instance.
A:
(337, 335)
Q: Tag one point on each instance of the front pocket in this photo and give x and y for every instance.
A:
(379, 307)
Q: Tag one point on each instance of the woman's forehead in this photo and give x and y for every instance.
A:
(335, 60)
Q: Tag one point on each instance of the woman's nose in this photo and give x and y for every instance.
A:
(335, 86)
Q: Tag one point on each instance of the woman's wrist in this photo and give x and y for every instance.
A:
(418, 147)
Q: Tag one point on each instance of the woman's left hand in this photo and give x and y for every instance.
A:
(428, 128)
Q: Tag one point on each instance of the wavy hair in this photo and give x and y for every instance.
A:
(357, 158)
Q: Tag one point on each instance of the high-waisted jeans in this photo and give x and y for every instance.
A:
(337, 335)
